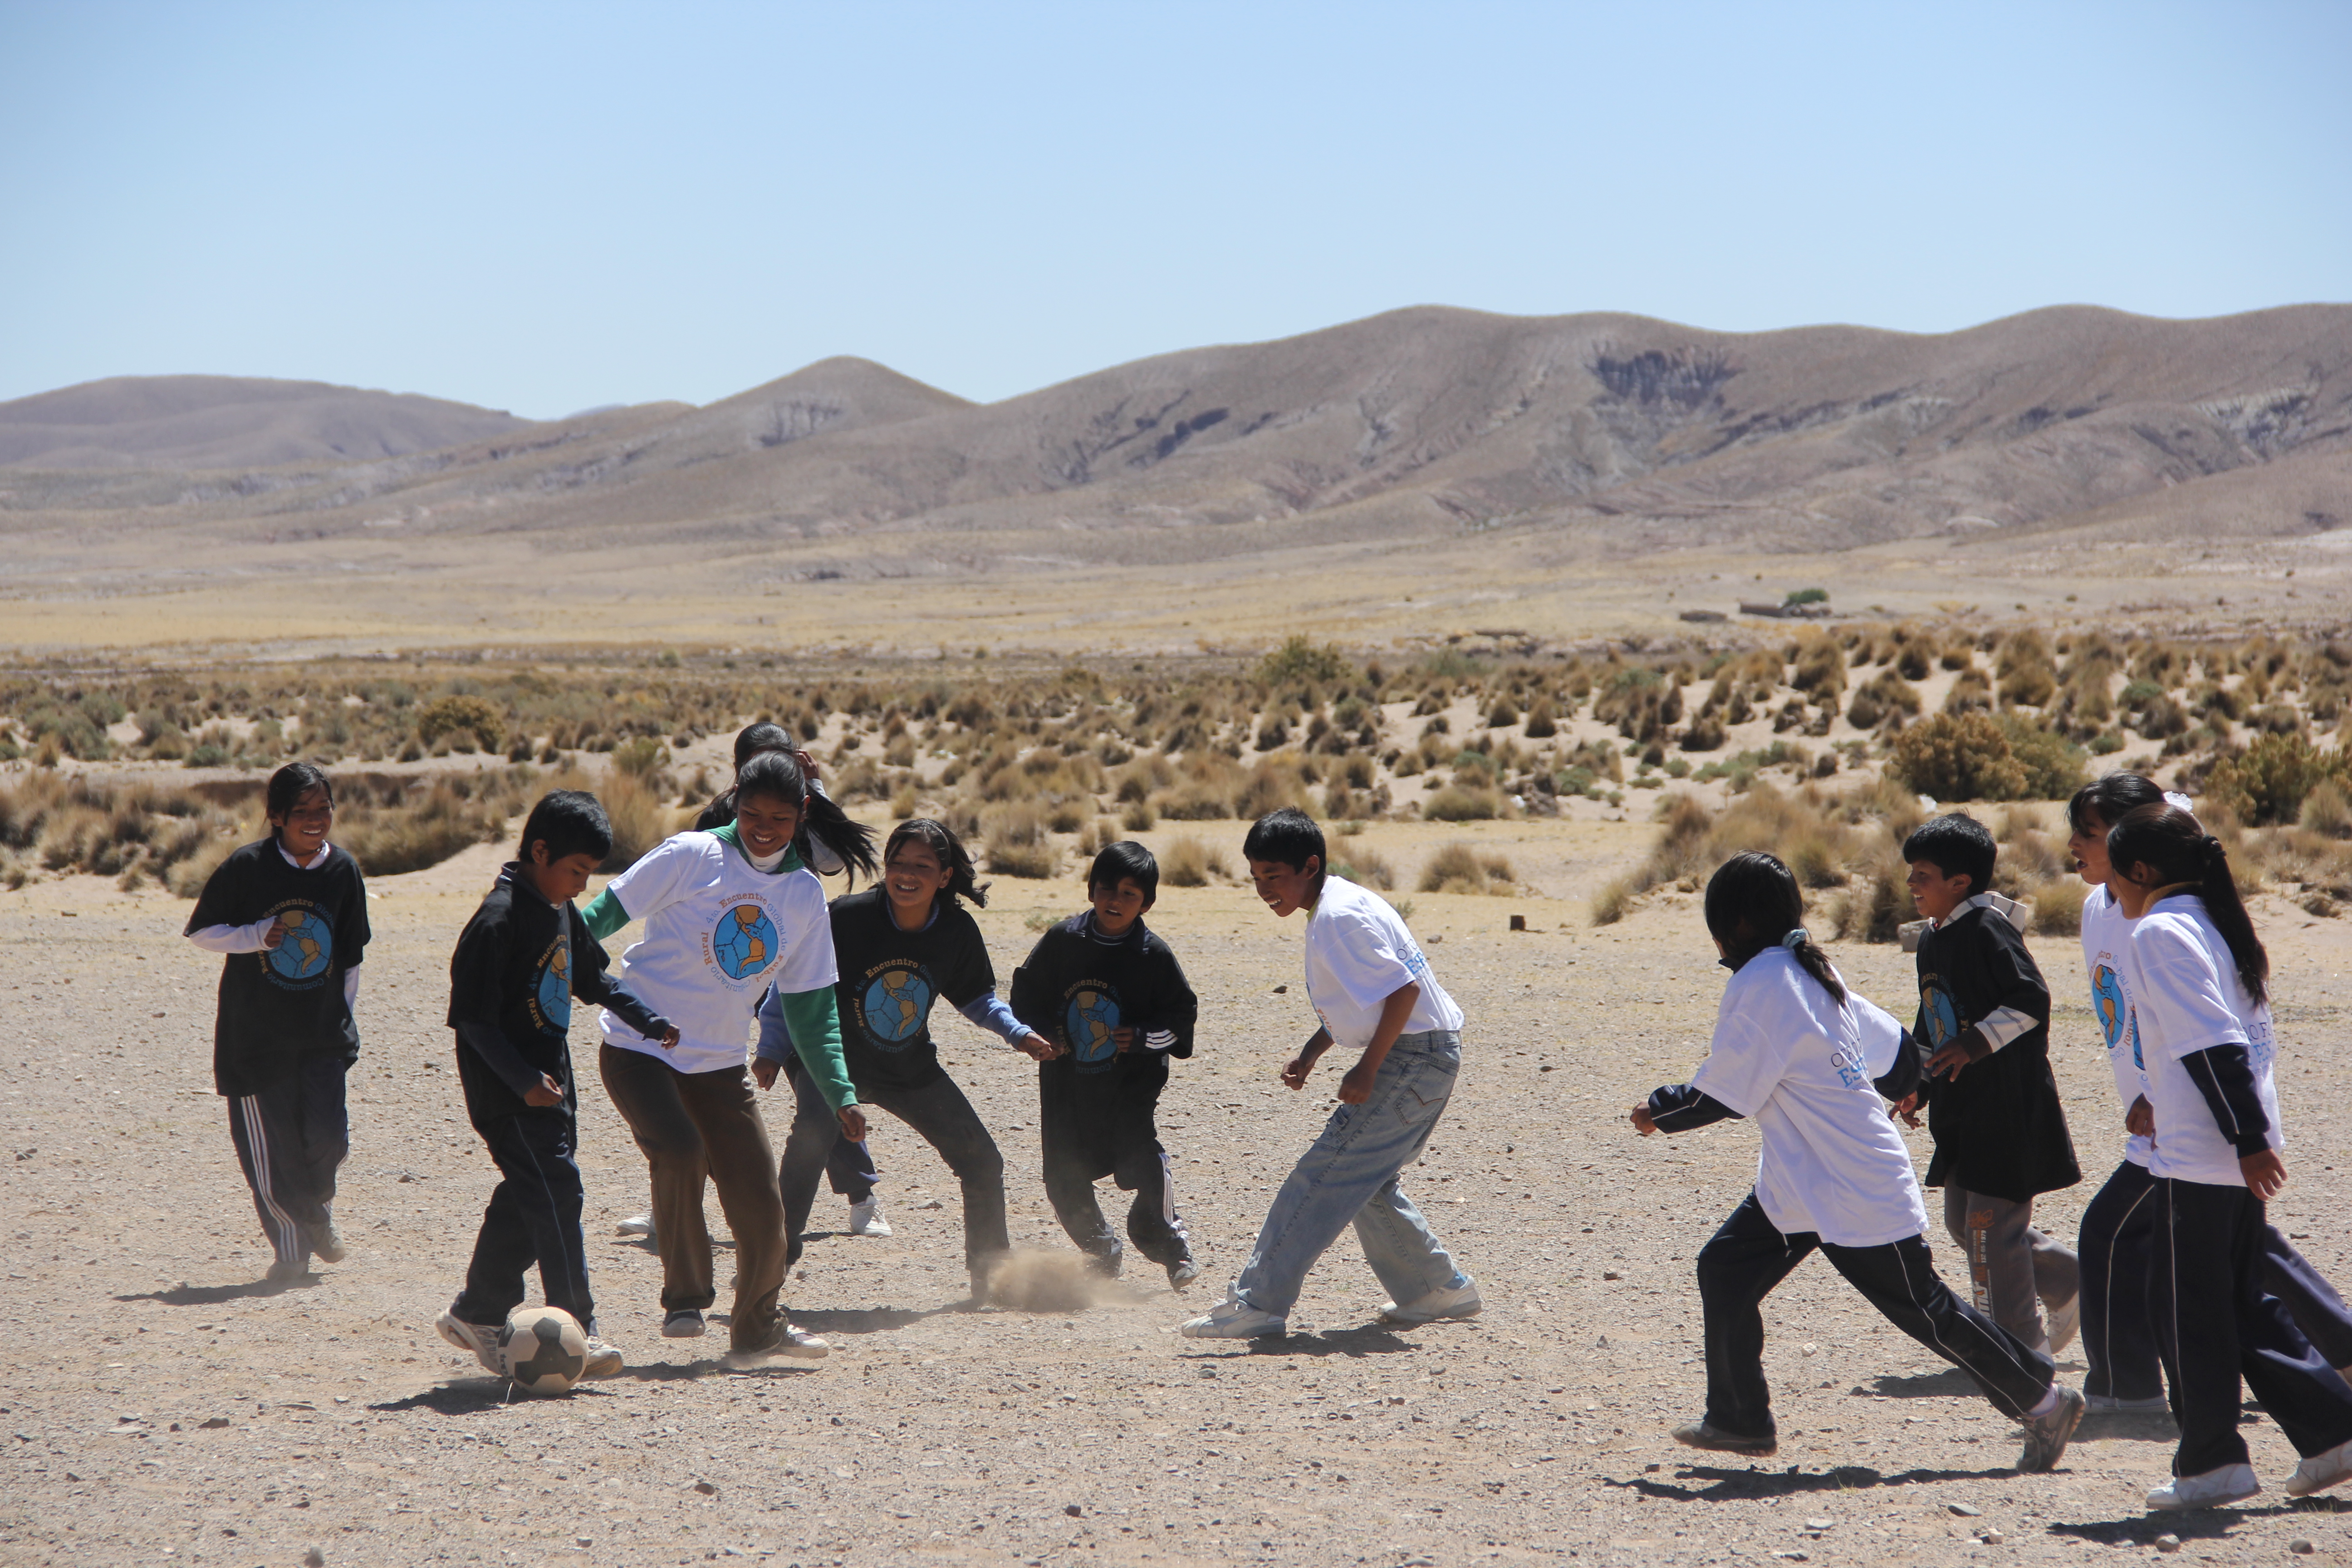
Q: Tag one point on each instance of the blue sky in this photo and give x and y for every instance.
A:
(545, 209)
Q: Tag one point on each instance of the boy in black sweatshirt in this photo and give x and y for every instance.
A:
(520, 960)
(2000, 1134)
(1108, 993)
(289, 915)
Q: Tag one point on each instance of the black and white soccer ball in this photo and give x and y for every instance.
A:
(543, 1349)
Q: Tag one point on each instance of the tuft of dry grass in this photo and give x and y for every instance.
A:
(1366, 867)
(2058, 907)
(1457, 867)
(1464, 803)
(1188, 863)
(1020, 842)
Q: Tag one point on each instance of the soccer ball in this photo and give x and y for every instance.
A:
(543, 1349)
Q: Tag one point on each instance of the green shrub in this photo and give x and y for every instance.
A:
(443, 717)
(1958, 757)
(2267, 782)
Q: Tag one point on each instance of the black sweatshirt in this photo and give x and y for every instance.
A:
(518, 965)
(286, 1003)
(1077, 987)
(1998, 1125)
(889, 980)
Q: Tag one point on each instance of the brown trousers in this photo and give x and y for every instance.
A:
(693, 1126)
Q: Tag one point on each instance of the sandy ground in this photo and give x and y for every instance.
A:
(163, 1407)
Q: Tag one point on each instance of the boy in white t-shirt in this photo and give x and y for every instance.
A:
(1815, 1067)
(1373, 989)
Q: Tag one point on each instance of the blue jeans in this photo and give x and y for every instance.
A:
(1348, 1174)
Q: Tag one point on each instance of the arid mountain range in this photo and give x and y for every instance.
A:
(1588, 437)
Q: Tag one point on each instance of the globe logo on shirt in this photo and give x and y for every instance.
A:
(301, 959)
(745, 941)
(2107, 1000)
(555, 993)
(1943, 1018)
(1087, 1020)
(895, 1002)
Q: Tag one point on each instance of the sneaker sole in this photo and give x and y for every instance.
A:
(694, 1332)
(1745, 1450)
(2317, 1487)
(2178, 1506)
(458, 1338)
(1271, 1331)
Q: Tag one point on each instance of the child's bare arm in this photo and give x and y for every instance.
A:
(1295, 1070)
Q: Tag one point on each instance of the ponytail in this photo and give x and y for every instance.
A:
(1753, 902)
(2176, 850)
(777, 776)
(942, 841)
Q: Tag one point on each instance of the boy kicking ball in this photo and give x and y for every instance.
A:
(1373, 990)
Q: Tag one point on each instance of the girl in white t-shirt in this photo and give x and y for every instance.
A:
(1813, 1065)
(2198, 983)
(728, 913)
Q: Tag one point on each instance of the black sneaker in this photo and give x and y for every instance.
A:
(1705, 1434)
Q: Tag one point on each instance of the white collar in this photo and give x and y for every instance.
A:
(1999, 903)
(324, 850)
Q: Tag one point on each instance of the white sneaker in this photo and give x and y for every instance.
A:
(1461, 1301)
(686, 1323)
(789, 1342)
(2321, 1471)
(603, 1361)
(482, 1339)
(636, 1225)
(326, 1239)
(2064, 1322)
(1232, 1320)
(2214, 1489)
(865, 1218)
(2108, 1404)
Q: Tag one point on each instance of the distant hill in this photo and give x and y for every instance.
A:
(229, 421)
(1615, 434)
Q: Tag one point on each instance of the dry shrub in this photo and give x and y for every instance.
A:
(2058, 907)
(1020, 842)
(1460, 803)
(1874, 901)
(1365, 867)
(1957, 757)
(1271, 785)
(1188, 863)
(1813, 834)
(389, 840)
(2327, 810)
(1137, 817)
(1204, 790)
(634, 802)
(2270, 780)
(1456, 867)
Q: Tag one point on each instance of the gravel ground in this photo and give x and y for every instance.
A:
(167, 1406)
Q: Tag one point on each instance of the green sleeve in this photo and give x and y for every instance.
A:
(604, 915)
(814, 1020)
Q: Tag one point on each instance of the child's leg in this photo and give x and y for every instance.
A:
(808, 1148)
(2118, 1340)
(2057, 1272)
(2309, 1299)
(1405, 1253)
(1069, 1175)
(646, 1092)
(850, 1168)
(945, 1119)
(1900, 1279)
(266, 1130)
(1737, 1268)
(725, 1108)
(533, 1217)
(1996, 1235)
(1356, 1158)
(326, 1127)
(2205, 1250)
(1153, 1223)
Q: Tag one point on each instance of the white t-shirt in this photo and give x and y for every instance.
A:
(2185, 988)
(1360, 953)
(718, 930)
(1788, 1057)
(2106, 937)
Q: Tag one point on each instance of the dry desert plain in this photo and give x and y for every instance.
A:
(164, 1408)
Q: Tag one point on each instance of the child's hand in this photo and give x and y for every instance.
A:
(1356, 1087)
(276, 931)
(853, 1123)
(808, 766)
(668, 1040)
(1968, 1045)
(1643, 1123)
(763, 1072)
(2265, 1174)
(1039, 1047)
(1124, 1038)
(548, 1092)
(1907, 1108)
(2140, 1120)
(1295, 1070)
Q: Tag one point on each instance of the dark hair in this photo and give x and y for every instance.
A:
(942, 841)
(777, 776)
(569, 822)
(1290, 837)
(1125, 861)
(2105, 801)
(289, 784)
(753, 739)
(2175, 845)
(1753, 903)
(1957, 845)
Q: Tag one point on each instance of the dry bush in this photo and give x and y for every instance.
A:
(1271, 785)
(389, 840)
(2058, 907)
(1020, 842)
(1188, 863)
(1204, 789)
(1137, 817)
(1457, 867)
(1459, 803)
(1957, 757)
(2024, 671)
(2270, 780)
(1875, 901)
(1366, 867)
(2327, 810)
